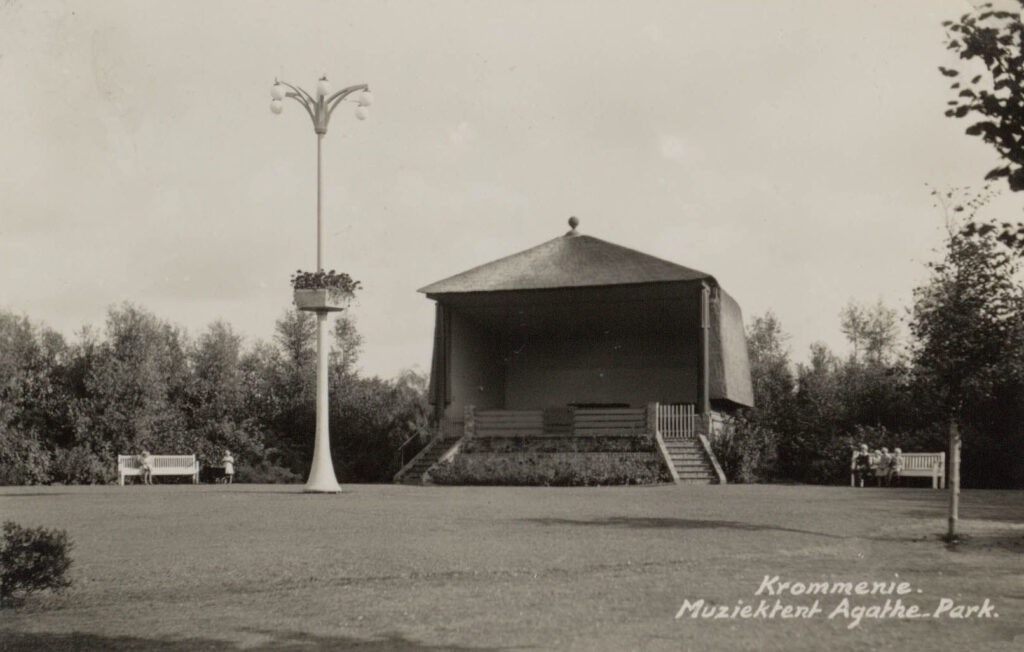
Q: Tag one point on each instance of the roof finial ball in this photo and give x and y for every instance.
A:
(573, 223)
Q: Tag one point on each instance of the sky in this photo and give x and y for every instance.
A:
(783, 147)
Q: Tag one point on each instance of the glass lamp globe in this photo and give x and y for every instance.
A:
(276, 106)
(365, 98)
(277, 91)
(323, 87)
(361, 113)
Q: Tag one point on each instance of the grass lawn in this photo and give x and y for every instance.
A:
(385, 567)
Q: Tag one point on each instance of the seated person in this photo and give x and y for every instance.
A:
(895, 467)
(146, 467)
(876, 459)
(884, 463)
(861, 465)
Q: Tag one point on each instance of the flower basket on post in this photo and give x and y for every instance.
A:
(323, 291)
(321, 299)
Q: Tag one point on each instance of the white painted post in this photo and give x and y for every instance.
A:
(321, 473)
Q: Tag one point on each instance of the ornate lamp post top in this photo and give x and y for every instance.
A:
(322, 105)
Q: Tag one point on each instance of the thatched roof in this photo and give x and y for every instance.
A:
(568, 261)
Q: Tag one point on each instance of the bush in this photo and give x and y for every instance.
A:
(555, 469)
(23, 460)
(32, 559)
(79, 465)
(265, 473)
(747, 451)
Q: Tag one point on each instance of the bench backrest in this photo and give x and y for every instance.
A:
(159, 461)
(919, 461)
(923, 461)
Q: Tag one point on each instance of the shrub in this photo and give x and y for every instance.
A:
(747, 451)
(265, 473)
(32, 559)
(79, 465)
(23, 460)
(555, 469)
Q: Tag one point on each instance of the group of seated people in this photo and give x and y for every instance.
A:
(880, 464)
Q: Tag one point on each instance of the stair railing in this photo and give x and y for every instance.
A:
(677, 421)
(401, 449)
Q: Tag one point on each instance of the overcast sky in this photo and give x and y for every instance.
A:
(783, 147)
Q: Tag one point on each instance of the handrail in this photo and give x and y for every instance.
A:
(401, 449)
(406, 442)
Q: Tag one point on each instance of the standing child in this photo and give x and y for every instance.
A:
(229, 466)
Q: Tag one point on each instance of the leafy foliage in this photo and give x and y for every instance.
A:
(994, 99)
(747, 450)
(32, 559)
(870, 329)
(23, 460)
(968, 321)
(80, 465)
(339, 282)
(67, 411)
(553, 469)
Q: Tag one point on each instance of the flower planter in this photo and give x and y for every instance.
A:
(321, 300)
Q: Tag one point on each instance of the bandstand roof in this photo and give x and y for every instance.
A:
(570, 269)
(569, 261)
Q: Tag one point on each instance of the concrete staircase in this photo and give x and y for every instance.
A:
(690, 461)
(412, 473)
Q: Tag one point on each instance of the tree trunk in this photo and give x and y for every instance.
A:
(954, 478)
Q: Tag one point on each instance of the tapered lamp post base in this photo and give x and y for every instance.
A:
(321, 471)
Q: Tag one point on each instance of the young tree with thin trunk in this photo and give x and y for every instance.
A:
(967, 323)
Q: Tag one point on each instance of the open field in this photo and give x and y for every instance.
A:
(467, 568)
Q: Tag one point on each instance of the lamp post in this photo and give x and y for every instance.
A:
(320, 107)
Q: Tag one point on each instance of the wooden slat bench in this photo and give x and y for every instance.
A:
(162, 465)
(589, 422)
(916, 465)
(509, 423)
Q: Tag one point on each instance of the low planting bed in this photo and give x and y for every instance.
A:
(553, 468)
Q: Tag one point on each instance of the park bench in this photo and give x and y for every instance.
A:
(916, 465)
(162, 465)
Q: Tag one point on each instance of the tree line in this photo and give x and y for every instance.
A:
(963, 367)
(67, 409)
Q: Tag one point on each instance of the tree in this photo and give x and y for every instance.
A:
(215, 397)
(770, 371)
(347, 345)
(807, 451)
(135, 386)
(748, 447)
(994, 99)
(968, 322)
(370, 419)
(870, 329)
